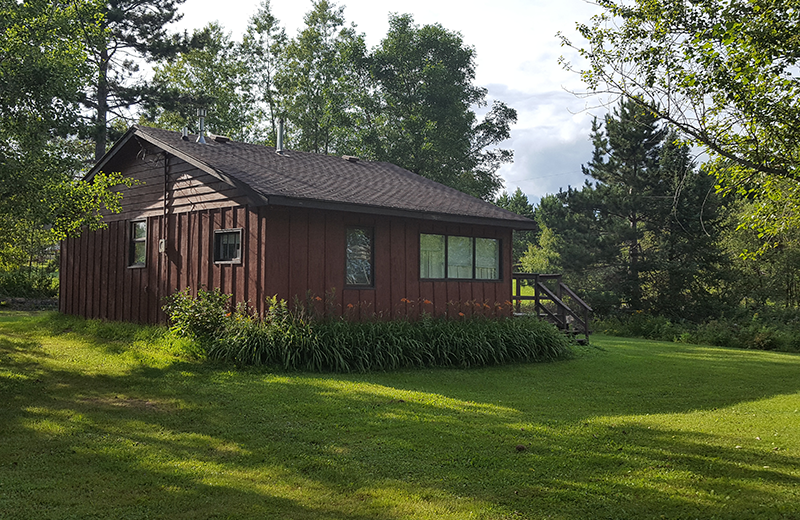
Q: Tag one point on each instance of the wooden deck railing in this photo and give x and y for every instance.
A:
(553, 301)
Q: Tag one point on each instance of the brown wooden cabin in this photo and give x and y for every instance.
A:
(371, 237)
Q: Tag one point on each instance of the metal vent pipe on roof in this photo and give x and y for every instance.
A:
(201, 113)
(279, 144)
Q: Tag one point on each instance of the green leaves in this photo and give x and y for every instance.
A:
(291, 339)
(641, 236)
(426, 124)
(214, 77)
(723, 73)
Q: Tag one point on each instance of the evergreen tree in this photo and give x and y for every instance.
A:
(645, 234)
(582, 242)
(625, 164)
(519, 204)
(684, 259)
(130, 30)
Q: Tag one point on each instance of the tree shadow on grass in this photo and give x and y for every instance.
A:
(197, 441)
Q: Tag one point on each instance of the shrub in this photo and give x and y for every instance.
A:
(771, 330)
(720, 333)
(203, 318)
(639, 325)
(294, 340)
(30, 282)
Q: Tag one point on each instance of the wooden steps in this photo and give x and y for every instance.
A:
(552, 301)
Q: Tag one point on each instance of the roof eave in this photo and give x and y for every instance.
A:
(134, 131)
(399, 212)
(109, 155)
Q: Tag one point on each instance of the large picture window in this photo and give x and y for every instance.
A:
(359, 260)
(228, 246)
(137, 255)
(458, 257)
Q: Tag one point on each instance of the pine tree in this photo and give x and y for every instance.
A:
(131, 30)
(643, 235)
(519, 204)
(625, 164)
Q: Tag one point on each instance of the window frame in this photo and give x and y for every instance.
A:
(474, 241)
(216, 246)
(133, 242)
(370, 232)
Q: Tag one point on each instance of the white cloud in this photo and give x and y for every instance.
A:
(544, 162)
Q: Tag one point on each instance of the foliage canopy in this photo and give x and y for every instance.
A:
(724, 73)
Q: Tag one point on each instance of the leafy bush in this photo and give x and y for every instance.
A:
(773, 330)
(30, 282)
(293, 340)
(203, 318)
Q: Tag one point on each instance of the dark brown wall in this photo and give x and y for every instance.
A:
(187, 188)
(288, 252)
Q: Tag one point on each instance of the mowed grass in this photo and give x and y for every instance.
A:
(109, 421)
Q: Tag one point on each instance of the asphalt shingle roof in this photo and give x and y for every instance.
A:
(299, 177)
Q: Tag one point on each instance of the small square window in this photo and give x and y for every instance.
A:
(228, 246)
(137, 256)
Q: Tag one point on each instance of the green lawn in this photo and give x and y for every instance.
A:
(102, 421)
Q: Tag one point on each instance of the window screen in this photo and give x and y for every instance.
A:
(487, 259)
(459, 257)
(466, 258)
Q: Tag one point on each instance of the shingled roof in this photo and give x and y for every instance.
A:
(313, 180)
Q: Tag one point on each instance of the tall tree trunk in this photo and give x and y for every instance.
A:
(101, 129)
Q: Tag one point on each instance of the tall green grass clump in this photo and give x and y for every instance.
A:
(293, 339)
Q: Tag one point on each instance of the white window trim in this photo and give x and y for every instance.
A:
(215, 251)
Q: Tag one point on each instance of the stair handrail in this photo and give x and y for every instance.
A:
(544, 293)
(576, 298)
(561, 304)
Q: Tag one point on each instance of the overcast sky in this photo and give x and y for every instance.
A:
(517, 61)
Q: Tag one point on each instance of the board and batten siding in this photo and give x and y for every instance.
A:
(165, 184)
(288, 252)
